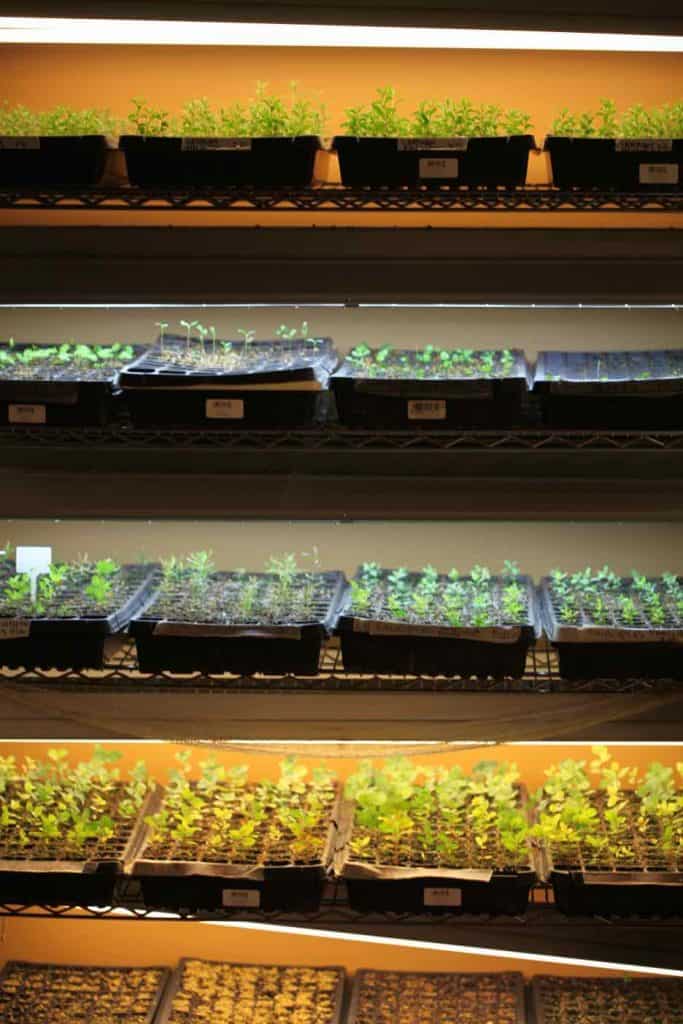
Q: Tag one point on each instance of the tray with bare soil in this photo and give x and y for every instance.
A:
(397, 997)
(432, 388)
(611, 390)
(76, 606)
(561, 1000)
(222, 841)
(609, 841)
(204, 382)
(224, 993)
(201, 620)
(428, 623)
(608, 627)
(67, 832)
(420, 840)
(33, 993)
(60, 385)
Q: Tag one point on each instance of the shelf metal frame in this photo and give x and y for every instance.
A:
(340, 199)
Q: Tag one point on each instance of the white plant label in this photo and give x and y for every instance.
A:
(33, 561)
(241, 898)
(439, 167)
(427, 410)
(19, 142)
(15, 629)
(455, 144)
(27, 414)
(224, 409)
(659, 174)
(643, 145)
(442, 897)
(198, 145)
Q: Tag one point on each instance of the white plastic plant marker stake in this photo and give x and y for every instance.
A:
(33, 561)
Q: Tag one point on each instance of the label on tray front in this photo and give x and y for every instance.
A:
(19, 142)
(442, 897)
(205, 145)
(658, 174)
(15, 629)
(241, 898)
(439, 167)
(224, 409)
(455, 144)
(424, 409)
(27, 414)
(643, 145)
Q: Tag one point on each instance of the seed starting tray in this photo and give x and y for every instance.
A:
(562, 1000)
(430, 889)
(214, 647)
(29, 994)
(62, 882)
(616, 649)
(649, 885)
(430, 402)
(217, 884)
(263, 1010)
(405, 647)
(72, 642)
(404, 998)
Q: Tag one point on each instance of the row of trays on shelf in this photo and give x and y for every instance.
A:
(286, 382)
(274, 994)
(402, 838)
(629, 165)
(188, 617)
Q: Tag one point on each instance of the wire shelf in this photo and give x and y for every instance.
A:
(121, 674)
(340, 439)
(341, 199)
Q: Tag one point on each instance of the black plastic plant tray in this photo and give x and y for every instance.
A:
(29, 993)
(629, 1000)
(214, 648)
(214, 161)
(414, 890)
(195, 885)
(405, 648)
(263, 1011)
(275, 392)
(400, 403)
(611, 390)
(434, 162)
(52, 159)
(626, 165)
(478, 998)
(612, 651)
(58, 883)
(75, 643)
(68, 401)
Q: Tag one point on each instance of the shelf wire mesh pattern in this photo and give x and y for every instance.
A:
(122, 674)
(341, 199)
(339, 439)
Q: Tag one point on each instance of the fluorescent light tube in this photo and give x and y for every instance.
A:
(196, 33)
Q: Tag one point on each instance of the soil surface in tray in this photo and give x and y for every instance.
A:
(231, 598)
(637, 844)
(387, 997)
(78, 590)
(430, 363)
(602, 1000)
(55, 363)
(608, 367)
(430, 599)
(48, 994)
(619, 603)
(48, 831)
(254, 824)
(236, 357)
(235, 994)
